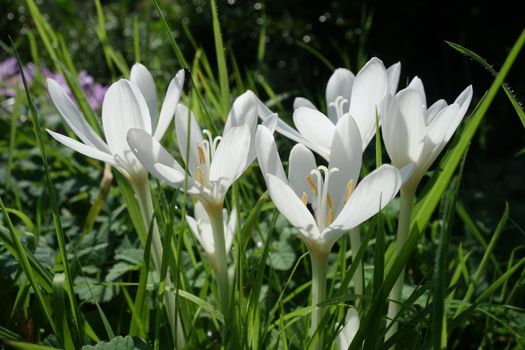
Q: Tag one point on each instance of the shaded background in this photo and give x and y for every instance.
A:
(346, 33)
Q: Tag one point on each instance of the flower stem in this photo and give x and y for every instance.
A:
(319, 270)
(143, 195)
(220, 265)
(403, 226)
(355, 245)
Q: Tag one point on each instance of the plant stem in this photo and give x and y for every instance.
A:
(355, 245)
(143, 194)
(319, 270)
(403, 226)
(220, 263)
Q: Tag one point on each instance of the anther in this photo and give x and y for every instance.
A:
(350, 186)
(202, 156)
(304, 198)
(312, 185)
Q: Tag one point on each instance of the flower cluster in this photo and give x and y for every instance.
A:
(323, 201)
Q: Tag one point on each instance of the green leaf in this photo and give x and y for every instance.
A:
(119, 343)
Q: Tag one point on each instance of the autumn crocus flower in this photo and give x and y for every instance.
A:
(324, 202)
(359, 95)
(124, 107)
(416, 134)
(212, 163)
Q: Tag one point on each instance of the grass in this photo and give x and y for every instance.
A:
(75, 273)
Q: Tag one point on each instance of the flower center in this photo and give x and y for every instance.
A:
(338, 105)
(206, 151)
(323, 210)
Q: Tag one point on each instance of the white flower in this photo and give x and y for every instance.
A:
(201, 227)
(347, 334)
(324, 202)
(213, 164)
(360, 95)
(416, 134)
(127, 104)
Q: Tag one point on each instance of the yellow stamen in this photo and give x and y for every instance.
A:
(330, 214)
(198, 175)
(202, 157)
(312, 185)
(350, 186)
(304, 198)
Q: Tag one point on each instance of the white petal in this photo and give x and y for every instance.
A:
(417, 84)
(175, 178)
(182, 114)
(84, 149)
(267, 154)
(271, 122)
(231, 157)
(370, 87)
(346, 155)
(149, 152)
(300, 164)
(303, 102)
(393, 72)
(69, 111)
(169, 105)
(463, 101)
(407, 171)
(243, 111)
(412, 109)
(316, 128)
(123, 109)
(347, 334)
(434, 110)
(446, 119)
(292, 208)
(141, 76)
(372, 194)
(339, 84)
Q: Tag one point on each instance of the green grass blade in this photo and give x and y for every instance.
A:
(488, 67)
(54, 205)
(60, 312)
(221, 60)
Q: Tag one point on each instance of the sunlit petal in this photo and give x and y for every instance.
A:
(339, 85)
(141, 77)
(316, 128)
(185, 119)
(169, 105)
(84, 149)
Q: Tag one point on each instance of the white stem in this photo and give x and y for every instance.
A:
(143, 195)
(355, 245)
(221, 259)
(319, 272)
(403, 226)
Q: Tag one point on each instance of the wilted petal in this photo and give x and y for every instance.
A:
(123, 109)
(84, 149)
(372, 194)
(300, 164)
(267, 154)
(339, 85)
(346, 155)
(141, 77)
(316, 128)
(231, 157)
(73, 117)
(182, 116)
(292, 208)
(370, 87)
(169, 105)
(303, 102)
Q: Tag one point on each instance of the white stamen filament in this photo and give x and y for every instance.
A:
(206, 151)
(338, 104)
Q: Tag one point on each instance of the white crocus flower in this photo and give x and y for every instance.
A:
(201, 227)
(213, 163)
(124, 107)
(324, 202)
(416, 134)
(347, 334)
(359, 95)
